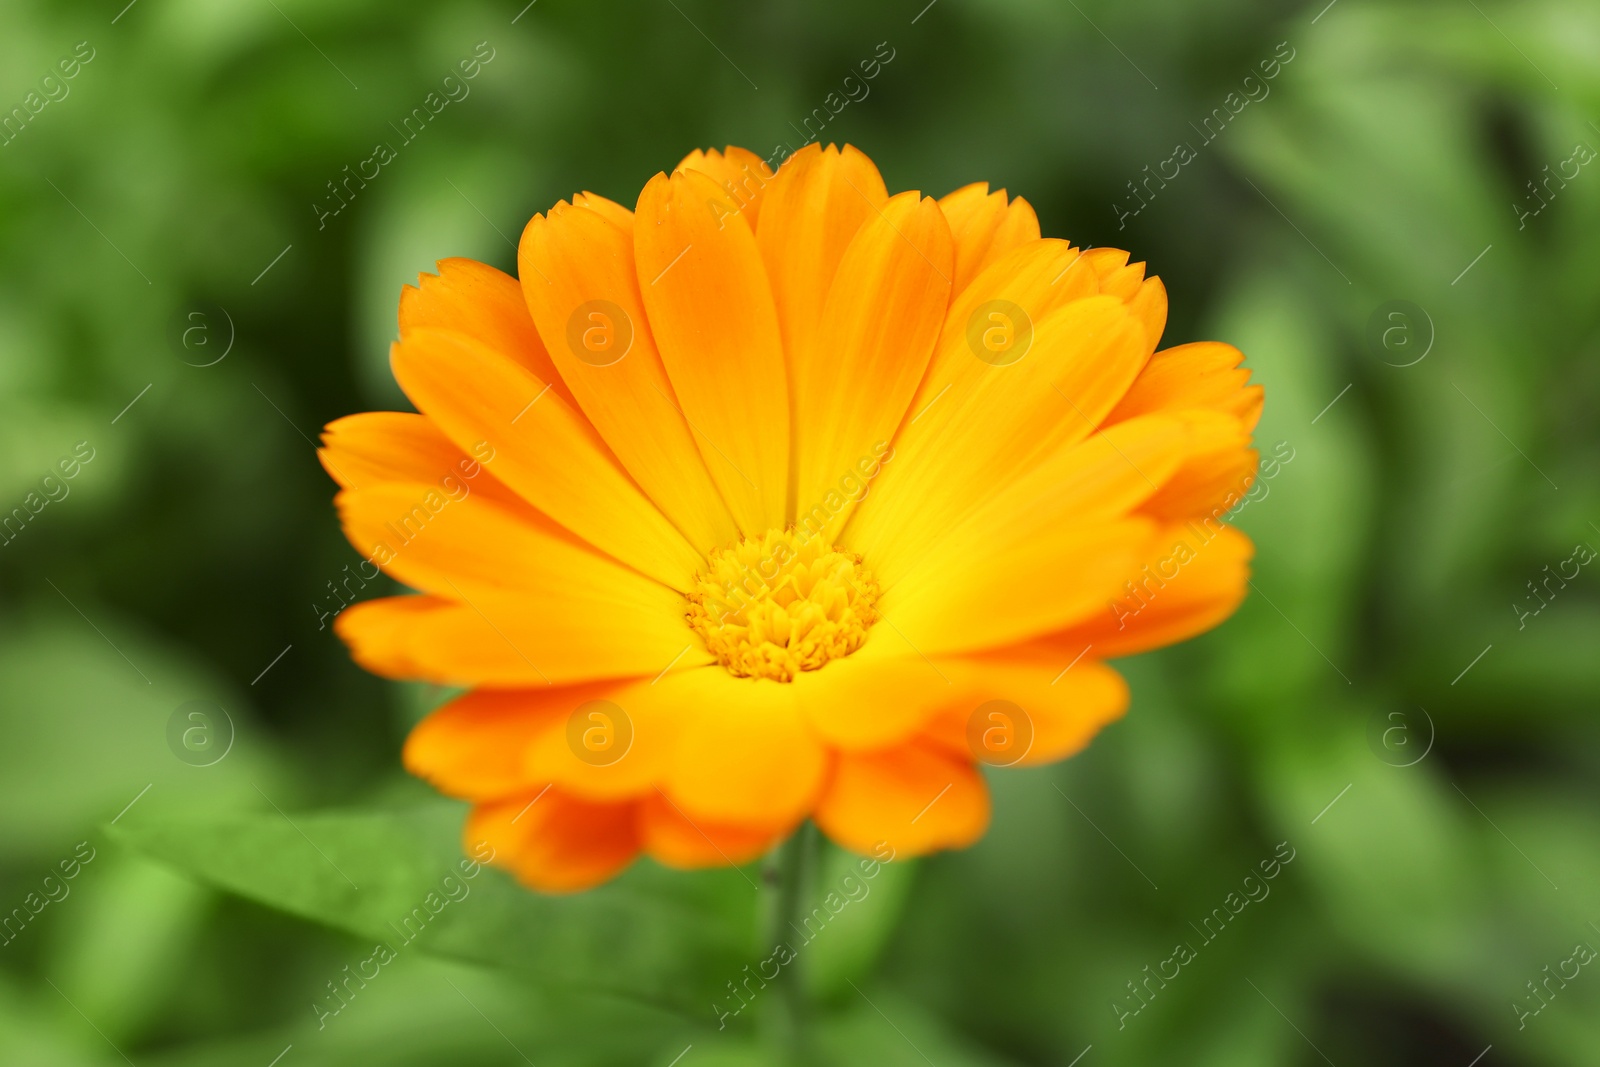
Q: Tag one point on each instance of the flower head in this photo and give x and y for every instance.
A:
(781, 497)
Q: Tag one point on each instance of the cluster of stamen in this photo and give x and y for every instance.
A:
(775, 605)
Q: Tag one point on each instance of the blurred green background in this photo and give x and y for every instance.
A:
(1392, 701)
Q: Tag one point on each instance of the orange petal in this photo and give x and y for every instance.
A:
(610, 210)
(1190, 578)
(712, 315)
(745, 754)
(1046, 545)
(474, 746)
(1018, 226)
(1201, 375)
(603, 741)
(1149, 306)
(907, 508)
(880, 696)
(1209, 484)
(475, 299)
(743, 175)
(461, 545)
(499, 642)
(543, 448)
(1056, 706)
(1069, 710)
(813, 208)
(1027, 587)
(988, 424)
(985, 228)
(1145, 297)
(866, 702)
(583, 291)
(1105, 476)
(613, 743)
(555, 843)
(917, 798)
(379, 447)
(670, 837)
(852, 386)
(1105, 261)
(1123, 282)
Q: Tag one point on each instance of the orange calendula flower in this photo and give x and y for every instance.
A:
(781, 497)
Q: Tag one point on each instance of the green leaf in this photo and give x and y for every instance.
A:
(399, 879)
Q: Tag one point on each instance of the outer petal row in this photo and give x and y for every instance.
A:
(917, 796)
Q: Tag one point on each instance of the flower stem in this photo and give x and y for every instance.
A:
(788, 875)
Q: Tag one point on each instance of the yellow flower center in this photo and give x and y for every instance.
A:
(785, 602)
